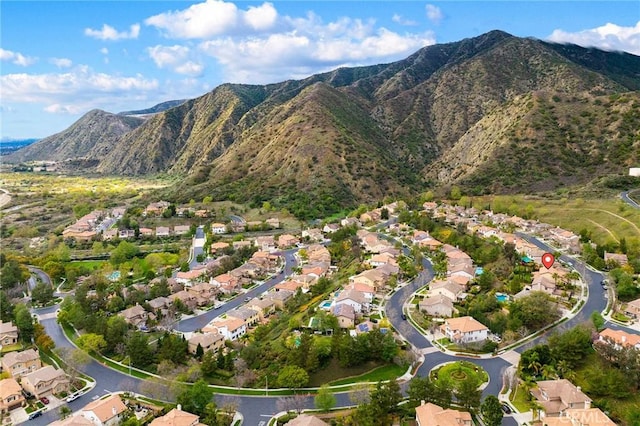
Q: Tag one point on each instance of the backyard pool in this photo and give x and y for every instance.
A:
(114, 276)
(502, 297)
(326, 305)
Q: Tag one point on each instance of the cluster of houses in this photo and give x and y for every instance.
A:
(354, 301)
(111, 411)
(28, 376)
(89, 226)
(237, 322)
(476, 221)
(446, 291)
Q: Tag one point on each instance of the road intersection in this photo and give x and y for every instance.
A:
(257, 409)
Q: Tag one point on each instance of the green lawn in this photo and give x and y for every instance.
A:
(460, 370)
(386, 372)
(520, 399)
(12, 348)
(89, 264)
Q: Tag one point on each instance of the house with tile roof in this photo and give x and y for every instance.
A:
(108, 411)
(557, 396)
(249, 317)
(230, 328)
(345, 314)
(465, 330)
(177, 417)
(428, 414)
(8, 333)
(618, 338)
(208, 342)
(45, 381)
(437, 306)
(632, 308)
(17, 364)
(10, 395)
(306, 420)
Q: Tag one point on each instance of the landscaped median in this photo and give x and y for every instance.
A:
(382, 373)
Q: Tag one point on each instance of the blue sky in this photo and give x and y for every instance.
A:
(61, 59)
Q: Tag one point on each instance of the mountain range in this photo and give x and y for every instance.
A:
(494, 113)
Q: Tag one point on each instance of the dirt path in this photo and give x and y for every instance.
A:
(5, 198)
(605, 229)
(619, 217)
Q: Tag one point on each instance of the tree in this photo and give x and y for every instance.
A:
(123, 252)
(199, 351)
(468, 394)
(597, 320)
(325, 400)
(534, 311)
(116, 333)
(137, 347)
(455, 193)
(292, 376)
(571, 346)
(420, 389)
(42, 293)
(24, 322)
(75, 359)
(92, 342)
(195, 398)
(384, 400)
(6, 308)
(65, 412)
(491, 411)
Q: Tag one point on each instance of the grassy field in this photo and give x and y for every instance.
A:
(608, 220)
(386, 372)
(335, 374)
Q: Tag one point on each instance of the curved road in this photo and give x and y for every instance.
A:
(258, 409)
(625, 197)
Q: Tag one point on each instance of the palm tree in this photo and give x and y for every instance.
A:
(548, 372)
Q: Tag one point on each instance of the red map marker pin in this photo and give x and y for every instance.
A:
(548, 260)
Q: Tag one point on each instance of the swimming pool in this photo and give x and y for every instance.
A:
(501, 297)
(326, 305)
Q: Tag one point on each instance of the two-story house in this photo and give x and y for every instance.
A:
(464, 330)
(10, 395)
(208, 342)
(17, 364)
(556, 396)
(8, 333)
(45, 381)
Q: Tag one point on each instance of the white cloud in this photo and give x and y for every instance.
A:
(190, 68)
(200, 20)
(607, 37)
(175, 58)
(16, 58)
(434, 13)
(262, 17)
(61, 62)
(79, 89)
(104, 51)
(311, 47)
(109, 33)
(399, 19)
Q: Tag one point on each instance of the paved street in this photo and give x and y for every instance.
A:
(258, 409)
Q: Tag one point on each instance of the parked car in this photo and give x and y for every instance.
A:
(506, 408)
(404, 317)
(35, 414)
(73, 397)
(44, 400)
